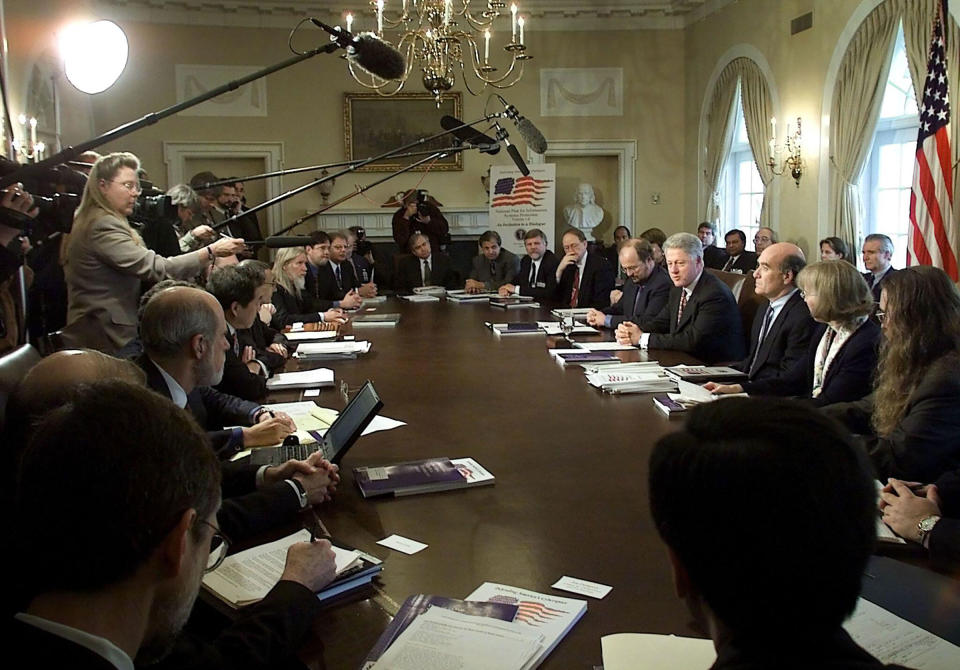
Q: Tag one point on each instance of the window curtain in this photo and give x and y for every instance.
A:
(857, 95)
(720, 116)
(757, 112)
(917, 30)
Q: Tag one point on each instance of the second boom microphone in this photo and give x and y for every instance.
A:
(368, 51)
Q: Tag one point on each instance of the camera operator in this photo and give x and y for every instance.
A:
(187, 202)
(16, 205)
(105, 260)
(248, 225)
(420, 214)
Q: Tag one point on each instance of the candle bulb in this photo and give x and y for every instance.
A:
(447, 9)
(380, 18)
(33, 130)
(513, 14)
(520, 23)
(349, 23)
(486, 46)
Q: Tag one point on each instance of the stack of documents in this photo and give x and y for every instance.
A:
(420, 297)
(578, 312)
(308, 335)
(506, 628)
(646, 381)
(437, 291)
(460, 295)
(323, 350)
(304, 379)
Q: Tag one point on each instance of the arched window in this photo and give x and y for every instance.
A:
(741, 189)
(888, 173)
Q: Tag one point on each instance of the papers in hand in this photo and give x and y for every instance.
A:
(248, 576)
(304, 379)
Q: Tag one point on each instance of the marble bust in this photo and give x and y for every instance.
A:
(585, 214)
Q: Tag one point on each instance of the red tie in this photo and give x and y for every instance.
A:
(683, 303)
(575, 294)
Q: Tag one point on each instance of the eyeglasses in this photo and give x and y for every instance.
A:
(219, 546)
(132, 186)
(881, 315)
(762, 239)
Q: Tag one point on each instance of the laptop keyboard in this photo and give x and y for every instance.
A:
(295, 451)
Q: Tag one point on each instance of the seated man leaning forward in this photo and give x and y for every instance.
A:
(774, 576)
(645, 293)
(493, 267)
(701, 316)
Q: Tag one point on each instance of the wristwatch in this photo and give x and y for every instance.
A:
(926, 525)
(301, 492)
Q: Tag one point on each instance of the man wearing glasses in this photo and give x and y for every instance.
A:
(645, 293)
(124, 583)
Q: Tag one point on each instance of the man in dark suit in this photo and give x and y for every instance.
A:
(237, 294)
(336, 281)
(713, 256)
(136, 562)
(781, 333)
(816, 489)
(424, 267)
(877, 252)
(538, 270)
(739, 260)
(493, 267)
(612, 253)
(645, 293)
(583, 279)
(271, 347)
(701, 316)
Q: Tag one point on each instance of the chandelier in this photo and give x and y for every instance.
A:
(443, 36)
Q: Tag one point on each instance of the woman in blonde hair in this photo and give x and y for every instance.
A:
(913, 413)
(292, 302)
(105, 260)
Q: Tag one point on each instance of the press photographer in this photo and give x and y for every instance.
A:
(420, 214)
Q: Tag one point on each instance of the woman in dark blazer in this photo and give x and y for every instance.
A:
(911, 421)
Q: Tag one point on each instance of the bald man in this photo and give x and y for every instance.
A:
(781, 332)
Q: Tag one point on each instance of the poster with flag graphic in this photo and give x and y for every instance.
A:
(519, 203)
(933, 234)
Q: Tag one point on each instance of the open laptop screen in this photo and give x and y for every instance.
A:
(351, 422)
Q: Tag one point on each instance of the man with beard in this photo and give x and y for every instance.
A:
(129, 567)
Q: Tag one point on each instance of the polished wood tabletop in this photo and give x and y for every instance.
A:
(571, 478)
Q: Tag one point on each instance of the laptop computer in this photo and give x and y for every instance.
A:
(338, 439)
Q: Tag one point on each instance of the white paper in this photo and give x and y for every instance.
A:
(422, 297)
(404, 544)
(440, 639)
(305, 378)
(605, 346)
(897, 641)
(313, 348)
(327, 416)
(312, 335)
(311, 393)
(646, 651)
(296, 326)
(582, 587)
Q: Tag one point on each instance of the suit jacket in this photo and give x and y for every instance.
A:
(787, 342)
(714, 257)
(876, 288)
(944, 544)
(746, 262)
(544, 287)
(327, 287)
(506, 267)
(709, 329)
(409, 275)
(237, 379)
(293, 308)
(32, 647)
(260, 336)
(641, 302)
(595, 284)
(612, 254)
(362, 270)
(104, 269)
(850, 375)
(925, 444)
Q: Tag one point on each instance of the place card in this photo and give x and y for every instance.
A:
(404, 544)
(582, 587)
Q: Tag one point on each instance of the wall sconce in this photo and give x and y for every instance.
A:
(28, 149)
(326, 188)
(791, 147)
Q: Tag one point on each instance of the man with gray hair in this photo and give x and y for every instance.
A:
(701, 316)
(877, 252)
(188, 206)
(764, 238)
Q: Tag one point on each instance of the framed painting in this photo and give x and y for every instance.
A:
(374, 124)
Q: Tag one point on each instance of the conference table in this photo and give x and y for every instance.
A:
(570, 463)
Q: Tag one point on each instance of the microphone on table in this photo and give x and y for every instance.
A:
(502, 135)
(533, 137)
(470, 135)
(368, 51)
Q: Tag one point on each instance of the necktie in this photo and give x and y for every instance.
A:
(533, 273)
(236, 345)
(339, 278)
(426, 272)
(683, 303)
(575, 293)
(726, 266)
(872, 279)
(763, 333)
(636, 299)
(493, 269)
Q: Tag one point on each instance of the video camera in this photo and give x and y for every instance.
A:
(153, 205)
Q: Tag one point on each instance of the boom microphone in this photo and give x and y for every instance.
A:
(502, 135)
(368, 51)
(281, 242)
(470, 135)
(533, 137)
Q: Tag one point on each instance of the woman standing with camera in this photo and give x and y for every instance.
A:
(105, 259)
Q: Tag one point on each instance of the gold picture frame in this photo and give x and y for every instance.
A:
(374, 124)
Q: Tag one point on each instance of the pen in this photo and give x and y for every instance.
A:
(317, 525)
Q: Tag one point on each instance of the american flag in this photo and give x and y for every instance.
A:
(529, 612)
(522, 191)
(932, 237)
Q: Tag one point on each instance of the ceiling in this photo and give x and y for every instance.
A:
(543, 14)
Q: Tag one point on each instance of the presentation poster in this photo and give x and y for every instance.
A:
(519, 203)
